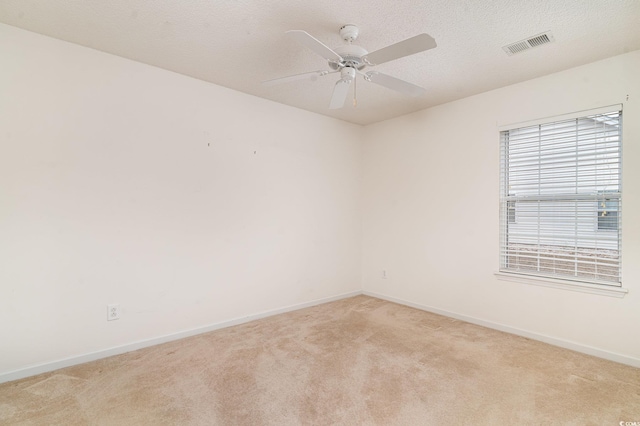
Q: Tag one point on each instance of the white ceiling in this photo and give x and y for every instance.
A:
(239, 43)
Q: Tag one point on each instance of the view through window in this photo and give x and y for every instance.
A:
(561, 199)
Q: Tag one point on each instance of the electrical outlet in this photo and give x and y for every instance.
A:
(113, 312)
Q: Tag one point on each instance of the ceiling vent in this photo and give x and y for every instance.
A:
(529, 43)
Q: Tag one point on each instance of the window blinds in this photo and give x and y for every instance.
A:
(560, 212)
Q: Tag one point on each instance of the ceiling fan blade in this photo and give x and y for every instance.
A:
(308, 41)
(340, 92)
(395, 84)
(313, 75)
(404, 48)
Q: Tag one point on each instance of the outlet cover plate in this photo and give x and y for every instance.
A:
(113, 312)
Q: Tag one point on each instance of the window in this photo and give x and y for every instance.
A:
(560, 201)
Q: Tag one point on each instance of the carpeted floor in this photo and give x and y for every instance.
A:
(358, 361)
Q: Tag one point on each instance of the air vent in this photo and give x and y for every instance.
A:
(529, 43)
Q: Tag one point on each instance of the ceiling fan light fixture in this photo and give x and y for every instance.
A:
(348, 73)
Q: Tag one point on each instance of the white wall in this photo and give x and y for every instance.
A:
(431, 211)
(187, 203)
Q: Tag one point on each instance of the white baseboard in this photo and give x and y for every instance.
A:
(80, 359)
(93, 356)
(567, 344)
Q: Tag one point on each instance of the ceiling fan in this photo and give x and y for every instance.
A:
(350, 60)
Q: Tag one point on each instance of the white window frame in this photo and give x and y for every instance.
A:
(507, 218)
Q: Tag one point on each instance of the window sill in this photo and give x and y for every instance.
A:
(603, 290)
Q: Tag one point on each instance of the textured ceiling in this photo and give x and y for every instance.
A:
(239, 43)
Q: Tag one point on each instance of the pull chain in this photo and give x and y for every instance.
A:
(355, 100)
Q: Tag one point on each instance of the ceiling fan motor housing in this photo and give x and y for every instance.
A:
(351, 57)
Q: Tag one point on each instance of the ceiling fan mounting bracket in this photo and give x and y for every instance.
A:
(349, 32)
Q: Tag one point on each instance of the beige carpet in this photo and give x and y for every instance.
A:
(359, 361)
